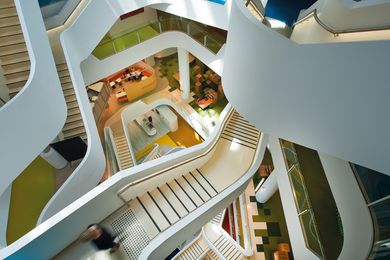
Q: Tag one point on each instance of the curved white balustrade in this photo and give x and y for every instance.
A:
(34, 117)
(329, 97)
(348, 15)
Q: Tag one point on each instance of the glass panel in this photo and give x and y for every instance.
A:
(376, 185)
(147, 32)
(310, 232)
(213, 45)
(381, 216)
(126, 41)
(299, 188)
(104, 50)
(197, 33)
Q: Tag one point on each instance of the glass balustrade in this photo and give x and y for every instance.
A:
(110, 46)
(302, 201)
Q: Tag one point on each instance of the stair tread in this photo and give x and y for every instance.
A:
(195, 197)
(173, 200)
(182, 196)
(201, 191)
(165, 207)
(153, 210)
(143, 218)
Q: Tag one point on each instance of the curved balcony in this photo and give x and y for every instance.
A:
(39, 103)
(310, 94)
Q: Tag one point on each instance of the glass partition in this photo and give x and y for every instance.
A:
(197, 31)
(376, 189)
(302, 201)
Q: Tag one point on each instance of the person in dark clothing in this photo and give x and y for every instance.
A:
(101, 238)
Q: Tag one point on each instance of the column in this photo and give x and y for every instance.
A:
(184, 72)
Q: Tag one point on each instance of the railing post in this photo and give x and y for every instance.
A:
(205, 39)
(113, 45)
(159, 26)
(139, 38)
(188, 29)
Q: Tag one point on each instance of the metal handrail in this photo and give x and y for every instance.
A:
(314, 13)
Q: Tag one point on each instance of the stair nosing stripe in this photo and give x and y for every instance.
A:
(241, 130)
(177, 197)
(186, 193)
(200, 185)
(250, 126)
(166, 199)
(147, 212)
(231, 140)
(233, 249)
(241, 135)
(206, 180)
(162, 212)
(192, 187)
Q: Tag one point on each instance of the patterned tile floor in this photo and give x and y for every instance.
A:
(267, 224)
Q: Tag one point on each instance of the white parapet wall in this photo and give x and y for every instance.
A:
(329, 97)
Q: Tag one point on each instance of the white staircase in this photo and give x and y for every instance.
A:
(217, 219)
(74, 125)
(125, 160)
(227, 248)
(14, 57)
(196, 250)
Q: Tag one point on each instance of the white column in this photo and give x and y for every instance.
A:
(184, 72)
(236, 221)
(54, 158)
(268, 189)
(245, 226)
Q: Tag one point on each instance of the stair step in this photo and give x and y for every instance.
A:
(6, 3)
(73, 125)
(199, 189)
(204, 182)
(143, 218)
(70, 98)
(68, 92)
(8, 11)
(73, 104)
(62, 66)
(10, 30)
(73, 118)
(15, 58)
(14, 88)
(179, 207)
(9, 21)
(66, 86)
(17, 77)
(63, 73)
(74, 132)
(12, 49)
(190, 192)
(182, 196)
(73, 111)
(16, 67)
(65, 79)
(164, 206)
(154, 212)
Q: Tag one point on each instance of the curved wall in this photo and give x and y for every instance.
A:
(330, 97)
(40, 103)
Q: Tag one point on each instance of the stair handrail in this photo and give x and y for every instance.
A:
(211, 245)
(152, 154)
(110, 143)
(314, 13)
(187, 246)
(213, 142)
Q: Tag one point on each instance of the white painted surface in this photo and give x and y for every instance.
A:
(57, 13)
(54, 158)
(359, 233)
(5, 200)
(184, 72)
(332, 97)
(294, 227)
(268, 189)
(40, 103)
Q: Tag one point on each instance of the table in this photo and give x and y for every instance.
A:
(147, 126)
